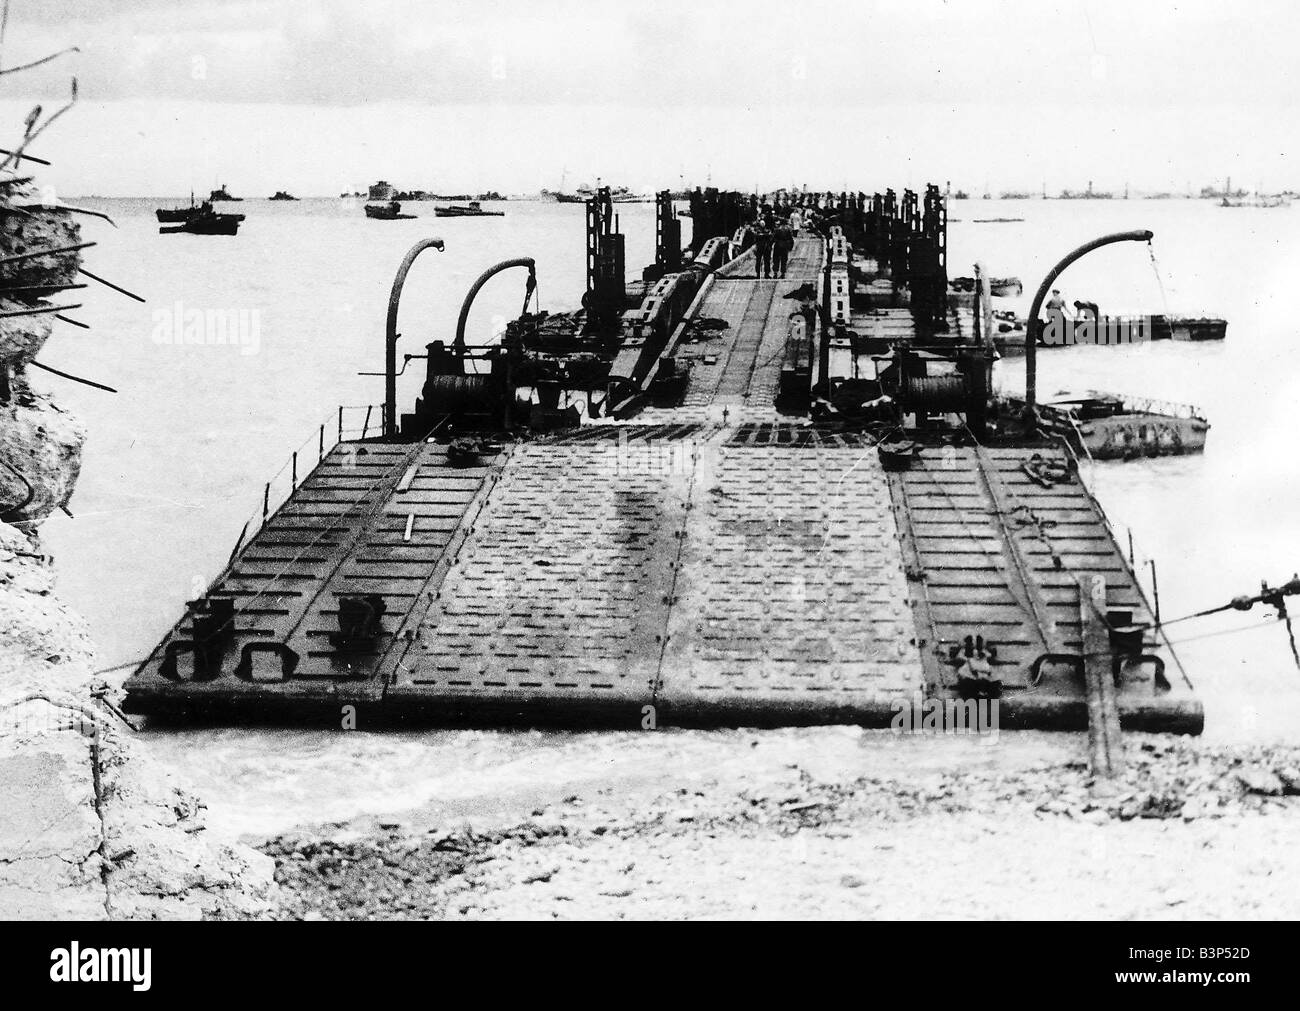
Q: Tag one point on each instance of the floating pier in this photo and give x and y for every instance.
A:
(719, 541)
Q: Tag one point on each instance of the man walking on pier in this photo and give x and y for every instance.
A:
(762, 250)
(782, 244)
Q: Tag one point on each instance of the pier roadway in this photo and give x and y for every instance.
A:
(695, 569)
(708, 563)
(735, 370)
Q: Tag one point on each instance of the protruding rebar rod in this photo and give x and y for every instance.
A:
(109, 284)
(75, 379)
(24, 157)
(52, 251)
(38, 312)
(28, 208)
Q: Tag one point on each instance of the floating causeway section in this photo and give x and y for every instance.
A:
(688, 568)
(715, 559)
(989, 551)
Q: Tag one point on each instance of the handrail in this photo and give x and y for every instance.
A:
(1173, 408)
(271, 504)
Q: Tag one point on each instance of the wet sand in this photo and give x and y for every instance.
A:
(919, 828)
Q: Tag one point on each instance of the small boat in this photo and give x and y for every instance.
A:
(171, 215)
(471, 210)
(282, 195)
(1006, 287)
(391, 211)
(203, 220)
(1110, 427)
(221, 193)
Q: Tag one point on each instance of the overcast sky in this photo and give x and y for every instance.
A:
(317, 96)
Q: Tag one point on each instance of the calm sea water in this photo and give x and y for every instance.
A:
(175, 461)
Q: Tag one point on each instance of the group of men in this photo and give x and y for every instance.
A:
(773, 233)
(773, 240)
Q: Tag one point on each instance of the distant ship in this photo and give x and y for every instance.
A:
(221, 193)
(1088, 194)
(580, 197)
(282, 195)
(202, 220)
(473, 210)
(171, 215)
(617, 195)
(1258, 200)
(1241, 198)
(390, 211)
(384, 191)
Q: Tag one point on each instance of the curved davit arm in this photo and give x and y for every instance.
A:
(1032, 326)
(483, 278)
(391, 335)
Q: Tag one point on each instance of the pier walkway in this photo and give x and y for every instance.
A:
(735, 370)
(716, 560)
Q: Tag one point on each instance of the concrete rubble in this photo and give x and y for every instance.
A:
(93, 828)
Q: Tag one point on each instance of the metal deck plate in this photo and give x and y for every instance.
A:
(559, 598)
(342, 532)
(991, 552)
(699, 571)
(790, 604)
